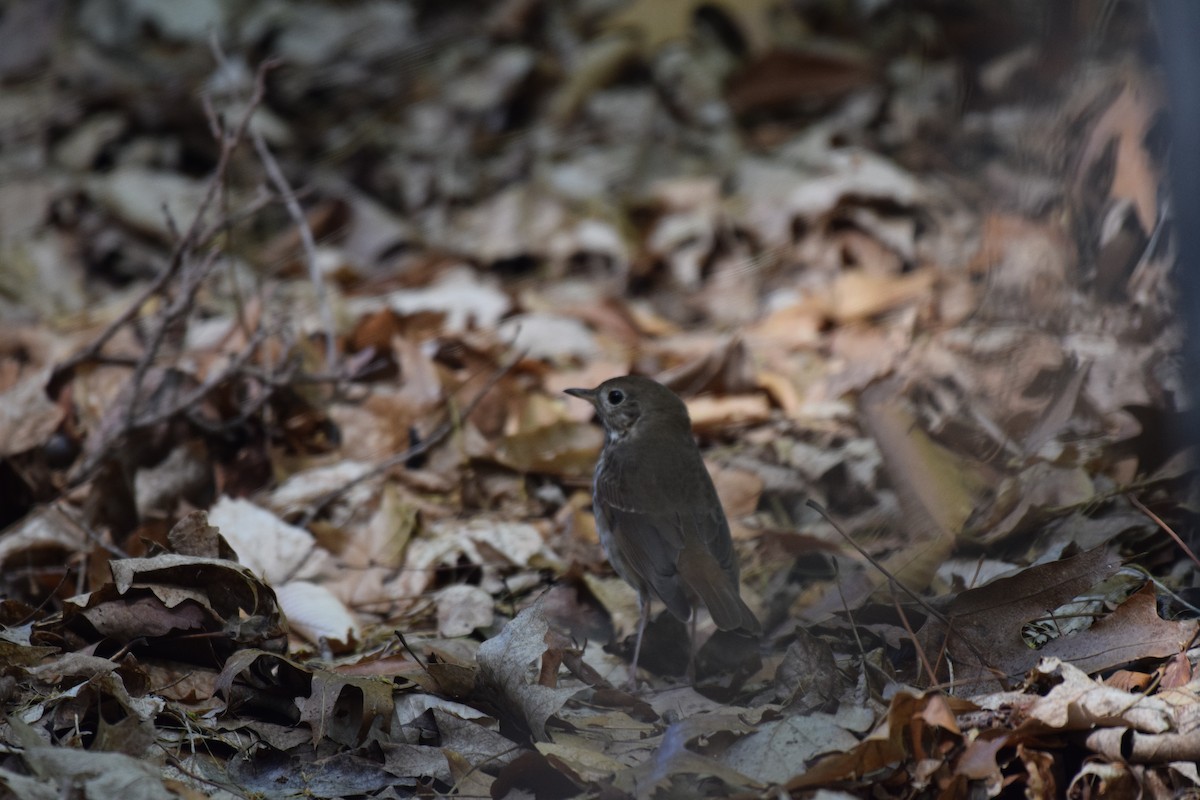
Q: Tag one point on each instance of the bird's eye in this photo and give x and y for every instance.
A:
(615, 397)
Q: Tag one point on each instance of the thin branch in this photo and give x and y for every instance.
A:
(1166, 529)
(815, 506)
(194, 236)
(895, 583)
(439, 433)
(306, 238)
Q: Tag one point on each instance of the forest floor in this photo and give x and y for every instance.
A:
(292, 503)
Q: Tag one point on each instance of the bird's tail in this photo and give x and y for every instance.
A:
(719, 593)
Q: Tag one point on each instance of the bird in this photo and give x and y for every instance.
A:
(657, 512)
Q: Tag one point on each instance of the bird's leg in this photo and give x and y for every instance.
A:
(643, 618)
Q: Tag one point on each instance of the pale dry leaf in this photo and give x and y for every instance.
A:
(1032, 491)
(45, 528)
(328, 35)
(186, 473)
(778, 750)
(266, 544)
(384, 538)
(655, 23)
(937, 489)
(853, 172)
(780, 389)
(861, 354)
(684, 240)
(793, 325)
(94, 774)
(23, 206)
(149, 200)
(710, 413)
(618, 598)
(316, 614)
(562, 448)
(598, 63)
(683, 702)
(27, 416)
(1029, 265)
(738, 489)
(489, 86)
(885, 745)
(974, 572)
(476, 740)
(39, 274)
(1124, 745)
(549, 336)
(589, 239)
(326, 711)
(858, 295)
(517, 222)
(1079, 703)
(673, 758)
(482, 541)
(461, 609)
(411, 705)
(459, 293)
(581, 758)
(507, 664)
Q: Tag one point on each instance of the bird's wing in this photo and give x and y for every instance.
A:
(649, 550)
(680, 545)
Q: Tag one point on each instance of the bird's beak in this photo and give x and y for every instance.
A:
(583, 394)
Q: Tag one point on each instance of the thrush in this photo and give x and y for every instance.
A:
(657, 512)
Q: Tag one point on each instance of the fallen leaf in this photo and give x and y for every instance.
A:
(1126, 122)
(505, 667)
(987, 622)
(318, 615)
(461, 609)
(27, 415)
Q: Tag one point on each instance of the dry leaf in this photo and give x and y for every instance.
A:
(505, 666)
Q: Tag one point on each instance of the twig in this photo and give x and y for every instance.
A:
(439, 433)
(815, 506)
(131, 423)
(172, 318)
(894, 583)
(921, 656)
(306, 239)
(192, 237)
(408, 649)
(1166, 528)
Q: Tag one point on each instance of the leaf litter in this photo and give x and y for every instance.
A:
(927, 288)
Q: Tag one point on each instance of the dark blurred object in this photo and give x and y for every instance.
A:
(1178, 27)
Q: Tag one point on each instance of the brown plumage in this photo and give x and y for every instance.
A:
(657, 511)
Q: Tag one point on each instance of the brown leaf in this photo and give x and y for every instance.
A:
(193, 536)
(782, 78)
(1178, 672)
(885, 746)
(712, 414)
(1133, 631)
(27, 415)
(1127, 123)
(566, 449)
(937, 489)
(986, 622)
(739, 490)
